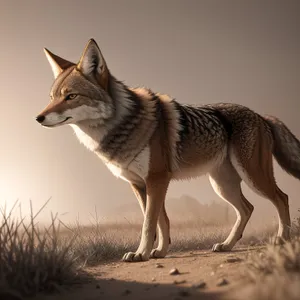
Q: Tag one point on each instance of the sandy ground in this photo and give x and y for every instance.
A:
(147, 280)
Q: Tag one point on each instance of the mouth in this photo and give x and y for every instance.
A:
(66, 119)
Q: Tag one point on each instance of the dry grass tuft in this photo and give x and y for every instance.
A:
(101, 243)
(275, 270)
(277, 260)
(274, 273)
(33, 259)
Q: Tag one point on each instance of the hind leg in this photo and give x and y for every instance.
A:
(227, 184)
(258, 175)
(282, 206)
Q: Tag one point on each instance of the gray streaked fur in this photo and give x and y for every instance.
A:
(149, 139)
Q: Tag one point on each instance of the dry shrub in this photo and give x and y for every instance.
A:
(274, 271)
(275, 260)
(33, 259)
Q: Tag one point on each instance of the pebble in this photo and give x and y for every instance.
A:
(179, 281)
(233, 259)
(222, 281)
(174, 271)
(200, 285)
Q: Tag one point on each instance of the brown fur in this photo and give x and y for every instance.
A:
(149, 139)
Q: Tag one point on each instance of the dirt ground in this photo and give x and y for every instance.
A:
(151, 280)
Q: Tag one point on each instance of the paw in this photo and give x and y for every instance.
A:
(156, 253)
(134, 257)
(219, 247)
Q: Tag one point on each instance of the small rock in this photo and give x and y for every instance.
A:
(184, 293)
(179, 281)
(126, 292)
(97, 286)
(174, 271)
(200, 285)
(222, 281)
(158, 266)
(153, 279)
(233, 259)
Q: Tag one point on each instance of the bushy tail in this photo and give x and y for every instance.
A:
(286, 147)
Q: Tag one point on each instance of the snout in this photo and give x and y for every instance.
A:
(52, 119)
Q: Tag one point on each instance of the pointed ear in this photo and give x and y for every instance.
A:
(57, 63)
(92, 63)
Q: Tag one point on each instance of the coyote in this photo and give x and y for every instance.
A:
(149, 139)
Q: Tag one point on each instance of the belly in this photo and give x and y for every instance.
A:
(198, 167)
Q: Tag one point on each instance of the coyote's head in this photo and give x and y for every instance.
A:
(80, 91)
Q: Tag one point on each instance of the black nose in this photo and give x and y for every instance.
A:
(40, 118)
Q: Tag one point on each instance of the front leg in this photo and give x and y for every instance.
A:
(156, 187)
(141, 195)
(164, 239)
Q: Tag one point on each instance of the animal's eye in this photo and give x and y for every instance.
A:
(70, 96)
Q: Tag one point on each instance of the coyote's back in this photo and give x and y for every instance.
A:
(149, 139)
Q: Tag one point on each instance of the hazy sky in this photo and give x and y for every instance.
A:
(246, 52)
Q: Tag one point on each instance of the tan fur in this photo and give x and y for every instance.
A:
(149, 139)
(257, 172)
(57, 63)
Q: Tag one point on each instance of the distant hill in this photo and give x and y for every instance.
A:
(181, 209)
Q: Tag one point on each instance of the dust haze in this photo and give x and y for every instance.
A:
(197, 51)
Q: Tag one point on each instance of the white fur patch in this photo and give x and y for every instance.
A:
(140, 165)
(91, 140)
(83, 112)
(77, 114)
(115, 169)
(138, 168)
(53, 119)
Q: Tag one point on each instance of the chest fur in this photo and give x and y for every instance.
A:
(135, 171)
(90, 139)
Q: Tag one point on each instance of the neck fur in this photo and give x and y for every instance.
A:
(92, 132)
